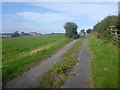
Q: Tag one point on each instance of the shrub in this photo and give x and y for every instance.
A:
(71, 30)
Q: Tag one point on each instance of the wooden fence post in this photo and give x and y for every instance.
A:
(114, 32)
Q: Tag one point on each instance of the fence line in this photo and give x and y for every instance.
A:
(115, 32)
(116, 35)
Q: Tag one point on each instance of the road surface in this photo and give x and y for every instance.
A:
(81, 69)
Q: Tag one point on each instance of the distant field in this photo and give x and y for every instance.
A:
(18, 54)
(104, 63)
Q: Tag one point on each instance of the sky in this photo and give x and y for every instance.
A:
(49, 17)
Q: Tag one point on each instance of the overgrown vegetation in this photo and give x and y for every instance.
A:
(83, 31)
(21, 52)
(55, 78)
(88, 31)
(104, 63)
(71, 30)
(102, 29)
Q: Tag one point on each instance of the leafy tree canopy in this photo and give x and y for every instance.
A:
(88, 30)
(71, 30)
(83, 30)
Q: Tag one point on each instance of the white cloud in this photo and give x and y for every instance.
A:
(95, 11)
(42, 17)
(70, 12)
(84, 14)
(38, 21)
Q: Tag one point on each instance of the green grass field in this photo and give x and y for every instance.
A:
(104, 64)
(20, 53)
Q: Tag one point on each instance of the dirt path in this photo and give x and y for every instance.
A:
(31, 78)
(81, 69)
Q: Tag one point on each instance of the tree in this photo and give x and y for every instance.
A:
(16, 34)
(83, 31)
(88, 30)
(71, 30)
(22, 34)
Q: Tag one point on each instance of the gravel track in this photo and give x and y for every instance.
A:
(81, 69)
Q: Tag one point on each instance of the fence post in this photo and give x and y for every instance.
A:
(114, 32)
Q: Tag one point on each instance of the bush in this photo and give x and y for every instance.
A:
(102, 28)
(88, 30)
(76, 36)
(71, 30)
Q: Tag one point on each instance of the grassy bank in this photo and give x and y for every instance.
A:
(55, 78)
(19, 54)
(104, 63)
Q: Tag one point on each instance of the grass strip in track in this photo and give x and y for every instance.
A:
(104, 63)
(54, 78)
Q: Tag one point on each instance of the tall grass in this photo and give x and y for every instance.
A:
(19, 54)
(104, 63)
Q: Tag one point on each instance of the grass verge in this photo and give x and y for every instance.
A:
(54, 78)
(104, 63)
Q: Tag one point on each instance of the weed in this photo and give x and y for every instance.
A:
(72, 74)
(47, 83)
(58, 82)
